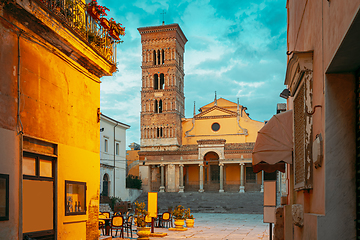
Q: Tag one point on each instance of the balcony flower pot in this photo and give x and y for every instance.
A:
(105, 23)
(113, 33)
(143, 233)
(93, 12)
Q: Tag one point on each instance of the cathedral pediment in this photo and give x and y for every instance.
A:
(216, 111)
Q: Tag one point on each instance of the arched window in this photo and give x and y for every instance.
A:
(158, 57)
(156, 106)
(163, 56)
(162, 81)
(160, 106)
(156, 81)
(154, 57)
(106, 184)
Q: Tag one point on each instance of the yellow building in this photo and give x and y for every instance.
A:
(215, 154)
(49, 119)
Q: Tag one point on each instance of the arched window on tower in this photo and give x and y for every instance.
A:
(158, 57)
(154, 57)
(160, 106)
(163, 56)
(156, 106)
(156, 81)
(162, 81)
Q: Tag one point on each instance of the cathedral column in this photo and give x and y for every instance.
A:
(162, 186)
(221, 177)
(201, 165)
(161, 57)
(181, 187)
(242, 187)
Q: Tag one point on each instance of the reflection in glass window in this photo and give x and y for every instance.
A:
(75, 198)
(29, 166)
(45, 168)
(4, 197)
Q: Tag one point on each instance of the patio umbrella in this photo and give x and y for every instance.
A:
(274, 145)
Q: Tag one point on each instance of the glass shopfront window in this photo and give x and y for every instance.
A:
(75, 198)
(4, 197)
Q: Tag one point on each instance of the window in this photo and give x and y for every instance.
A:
(158, 57)
(37, 166)
(106, 147)
(75, 198)
(163, 56)
(160, 106)
(4, 197)
(117, 148)
(154, 57)
(162, 81)
(215, 127)
(250, 175)
(156, 106)
(156, 82)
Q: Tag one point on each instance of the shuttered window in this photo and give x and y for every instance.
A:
(299, 136)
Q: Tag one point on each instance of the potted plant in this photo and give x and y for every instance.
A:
(189, 218)
(179, 216)
(140, 213)
(116, 29)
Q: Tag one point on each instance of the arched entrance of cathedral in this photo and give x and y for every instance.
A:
(211, 172)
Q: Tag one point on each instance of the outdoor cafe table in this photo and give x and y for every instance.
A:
(107, 225)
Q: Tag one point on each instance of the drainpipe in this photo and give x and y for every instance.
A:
(114, 157)
(20, 133)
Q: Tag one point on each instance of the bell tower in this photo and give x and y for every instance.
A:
(162, 91)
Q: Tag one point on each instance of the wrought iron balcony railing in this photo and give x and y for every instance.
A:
(73, 13)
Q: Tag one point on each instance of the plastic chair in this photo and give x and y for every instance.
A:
(166, 218)
(117, 223)
(117, 214)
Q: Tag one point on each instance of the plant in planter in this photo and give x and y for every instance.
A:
(179, 216)
(189, 218)
(140, 214)
(116, 29)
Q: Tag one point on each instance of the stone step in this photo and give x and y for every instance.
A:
(211, 202)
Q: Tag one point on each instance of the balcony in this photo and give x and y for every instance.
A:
(74, 15)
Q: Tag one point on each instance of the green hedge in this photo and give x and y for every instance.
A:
(133, 182)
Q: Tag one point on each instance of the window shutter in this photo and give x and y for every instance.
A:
(299, 137)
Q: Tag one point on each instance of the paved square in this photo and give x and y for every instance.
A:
(223, 226)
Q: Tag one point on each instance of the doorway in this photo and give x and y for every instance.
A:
(211, 172)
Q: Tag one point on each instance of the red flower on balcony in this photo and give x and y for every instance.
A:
(95, 10)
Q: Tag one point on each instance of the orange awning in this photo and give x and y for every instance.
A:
(274, 145)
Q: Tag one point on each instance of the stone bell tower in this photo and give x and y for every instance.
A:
(162, 91)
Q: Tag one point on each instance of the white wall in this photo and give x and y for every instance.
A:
(107, 157)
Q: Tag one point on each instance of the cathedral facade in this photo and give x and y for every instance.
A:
(210, 151)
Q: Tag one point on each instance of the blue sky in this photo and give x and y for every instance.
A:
(235, 47)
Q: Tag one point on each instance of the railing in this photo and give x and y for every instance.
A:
(73, 13)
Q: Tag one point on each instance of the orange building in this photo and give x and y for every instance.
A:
(132, 159)
(49, 119)
(209, 152)
(322, 90)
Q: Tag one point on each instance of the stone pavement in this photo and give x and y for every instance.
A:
(223, 226)
(218, 226)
